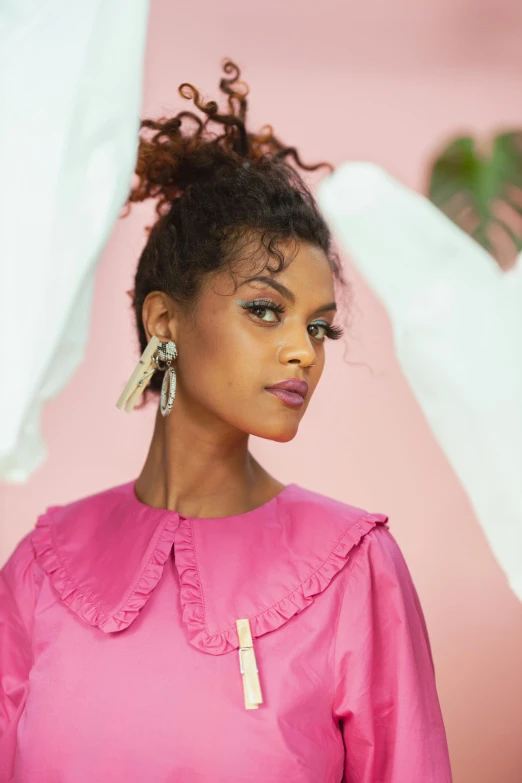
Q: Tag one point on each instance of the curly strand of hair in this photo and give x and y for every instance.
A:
(166, 128)
(226, 84)
(230, 88)
(239, 143)
(189, 92)
(291, 152)
(230, 67)
(182, 114)
(239, 140)
(263, 136)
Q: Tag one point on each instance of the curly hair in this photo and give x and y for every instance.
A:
(219, 195)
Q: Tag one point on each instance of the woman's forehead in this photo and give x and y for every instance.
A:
(304, 277)
(293, 261)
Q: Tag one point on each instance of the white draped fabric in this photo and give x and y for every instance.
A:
(70, 94)
(457, 325)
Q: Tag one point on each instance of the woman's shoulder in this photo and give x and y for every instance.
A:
(19, 584)
(20, 562)
(308, 504)
(87, 505)
(363, 538)
(61, 526)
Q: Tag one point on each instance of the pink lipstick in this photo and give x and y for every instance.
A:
(293, 392)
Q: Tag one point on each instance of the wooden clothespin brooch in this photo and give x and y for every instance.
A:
(248, 666)
(141, 376)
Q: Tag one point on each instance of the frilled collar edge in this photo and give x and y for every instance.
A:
(88, 605)
(269, 618)
(168, 530)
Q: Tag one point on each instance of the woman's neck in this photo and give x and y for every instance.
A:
(202, 473)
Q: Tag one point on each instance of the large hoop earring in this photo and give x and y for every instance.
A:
(167, 397)
(164, 357)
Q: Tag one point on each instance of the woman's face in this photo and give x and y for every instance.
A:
(237, 346)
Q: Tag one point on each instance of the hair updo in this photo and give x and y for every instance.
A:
(218, 195)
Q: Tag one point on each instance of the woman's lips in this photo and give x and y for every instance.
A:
(292, 391)
(291, 398)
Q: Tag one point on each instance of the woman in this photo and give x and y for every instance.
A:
(204, 622)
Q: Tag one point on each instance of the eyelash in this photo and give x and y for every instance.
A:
(331, 332)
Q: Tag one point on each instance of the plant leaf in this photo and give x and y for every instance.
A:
(479, 191)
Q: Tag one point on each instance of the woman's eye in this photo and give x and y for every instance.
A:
(267, 312)
(321, 331)
(261, 311)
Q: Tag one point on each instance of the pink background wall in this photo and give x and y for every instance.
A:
(381, 81)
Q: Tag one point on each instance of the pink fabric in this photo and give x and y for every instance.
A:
(119, 654)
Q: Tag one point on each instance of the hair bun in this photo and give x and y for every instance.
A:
(178, 152)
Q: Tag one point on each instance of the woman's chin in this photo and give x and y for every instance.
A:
(277, 434)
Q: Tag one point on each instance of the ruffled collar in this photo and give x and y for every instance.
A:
(105, 555)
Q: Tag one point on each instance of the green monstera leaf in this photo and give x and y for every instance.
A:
(481, 191)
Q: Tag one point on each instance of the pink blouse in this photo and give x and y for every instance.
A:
(119, 651)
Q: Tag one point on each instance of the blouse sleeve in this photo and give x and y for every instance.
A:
(17, 601)
(386, 699)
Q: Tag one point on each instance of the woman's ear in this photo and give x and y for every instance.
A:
(158, 316)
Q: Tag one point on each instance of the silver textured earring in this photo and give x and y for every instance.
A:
(157, 355)
(165, 355)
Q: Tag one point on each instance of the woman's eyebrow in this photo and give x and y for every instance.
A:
(284, 291)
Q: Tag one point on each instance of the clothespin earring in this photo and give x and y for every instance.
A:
(156, 356)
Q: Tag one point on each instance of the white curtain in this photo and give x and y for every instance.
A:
(70, 95)
(457, 325)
